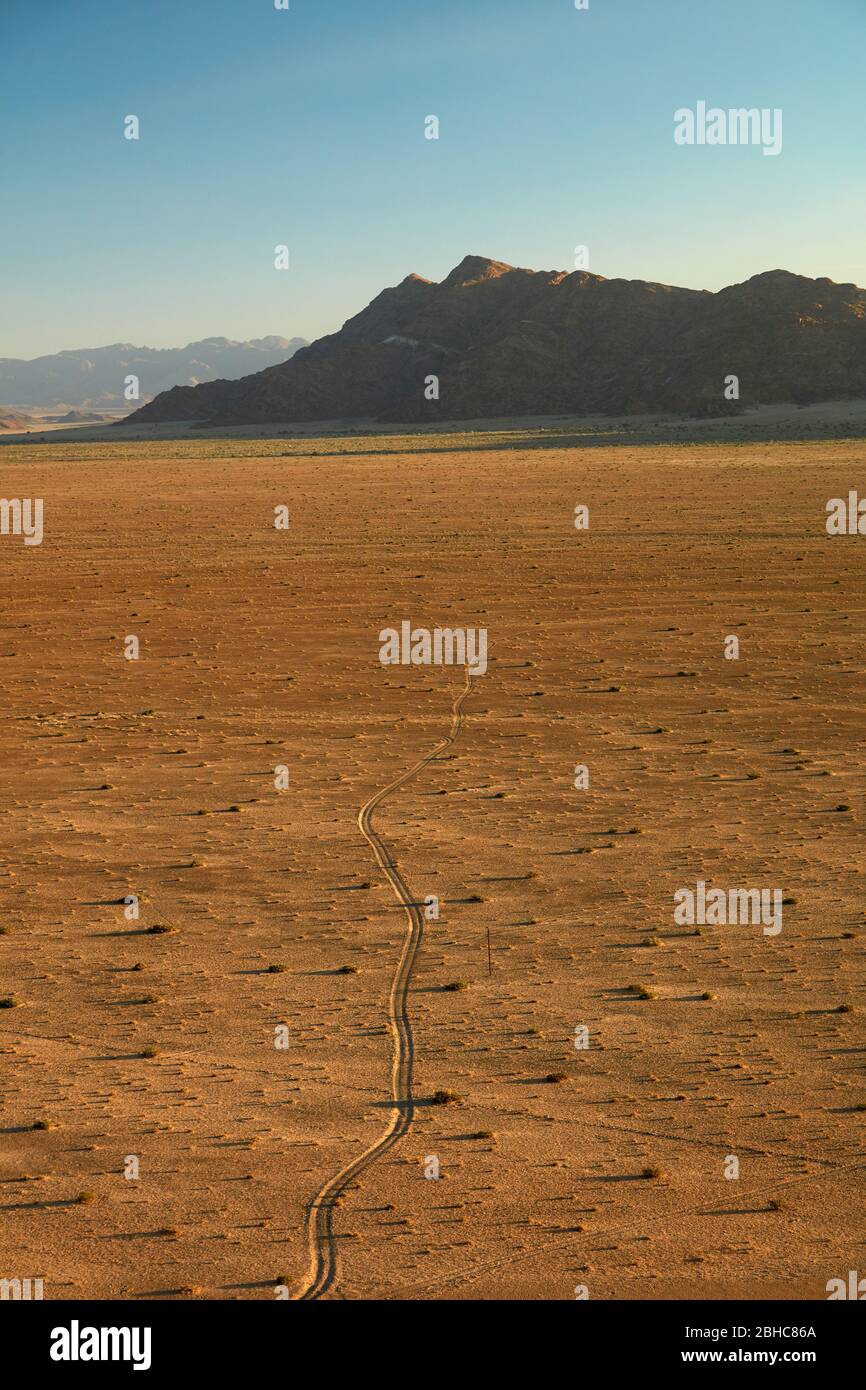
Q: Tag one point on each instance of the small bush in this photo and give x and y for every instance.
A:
(446, 1097)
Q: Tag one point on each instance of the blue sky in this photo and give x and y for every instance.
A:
(306, 127)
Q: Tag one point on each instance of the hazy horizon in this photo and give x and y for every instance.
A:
(151, 347)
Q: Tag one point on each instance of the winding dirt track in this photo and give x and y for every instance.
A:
(321, 1241)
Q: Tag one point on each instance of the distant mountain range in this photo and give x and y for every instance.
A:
(93, 378)
(504, 341)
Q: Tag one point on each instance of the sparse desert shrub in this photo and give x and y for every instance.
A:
(555, 1077)
(643, 991)
(652, 1171)
(455, 985)
(276, 969)
(446, 1097)
(150, 1052)
(348, 970)
(9, 1001)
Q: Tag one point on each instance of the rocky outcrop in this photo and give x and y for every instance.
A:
(503, 341)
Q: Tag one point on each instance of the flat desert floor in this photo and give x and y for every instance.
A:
(240, 1060)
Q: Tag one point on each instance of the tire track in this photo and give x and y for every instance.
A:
(321, 1241)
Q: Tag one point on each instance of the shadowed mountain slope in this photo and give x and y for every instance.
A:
(505, 341)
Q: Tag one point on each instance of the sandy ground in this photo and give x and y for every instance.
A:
(259, 648)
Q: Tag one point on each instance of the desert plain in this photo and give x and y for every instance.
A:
(244, 1056)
